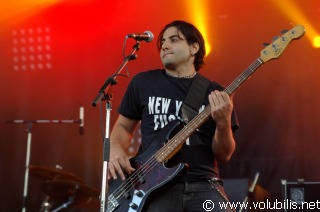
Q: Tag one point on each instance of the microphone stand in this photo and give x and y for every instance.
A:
(26, 174)
(104, 94)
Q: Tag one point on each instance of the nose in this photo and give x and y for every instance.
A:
(164, 45)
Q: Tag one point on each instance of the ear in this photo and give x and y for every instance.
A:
(194, 48)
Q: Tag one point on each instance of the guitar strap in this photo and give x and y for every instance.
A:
(195, 97)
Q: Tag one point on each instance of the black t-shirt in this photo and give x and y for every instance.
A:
(156, 99)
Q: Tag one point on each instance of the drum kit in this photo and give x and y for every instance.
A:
(64, 189)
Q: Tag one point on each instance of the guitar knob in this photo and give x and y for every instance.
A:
(138, 193)
(133, 206)
(284, 31)
(266, 44)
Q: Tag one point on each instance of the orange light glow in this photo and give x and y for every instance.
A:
(293, 12)
(199, 13)
(316, 42)
(15, 11)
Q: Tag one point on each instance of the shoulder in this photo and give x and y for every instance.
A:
(217, 86)
(213, 84)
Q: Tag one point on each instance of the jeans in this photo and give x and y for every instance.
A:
(188, 196)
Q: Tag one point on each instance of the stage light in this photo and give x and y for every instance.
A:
(31, 49)
(316, 42)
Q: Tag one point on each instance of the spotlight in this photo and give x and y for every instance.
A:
(31, 49)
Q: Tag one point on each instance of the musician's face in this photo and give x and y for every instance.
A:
(175, 51)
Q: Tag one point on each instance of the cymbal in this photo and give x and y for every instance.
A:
(52, 173)
(83, 196)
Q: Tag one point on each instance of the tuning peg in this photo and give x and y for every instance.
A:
(266, 44)
(284, 31)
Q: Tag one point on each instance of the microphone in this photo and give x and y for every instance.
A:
(81, 117)
(147, 36)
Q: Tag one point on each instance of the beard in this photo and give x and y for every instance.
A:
(169, 65)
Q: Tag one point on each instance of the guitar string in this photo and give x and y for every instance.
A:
(133, 179)
(246, 74)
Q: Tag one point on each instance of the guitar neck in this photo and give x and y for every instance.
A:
(172, 145)
(244, 76)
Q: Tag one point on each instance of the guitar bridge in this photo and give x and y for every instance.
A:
(113, 203)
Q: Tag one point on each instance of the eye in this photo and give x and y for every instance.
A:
(173, 40)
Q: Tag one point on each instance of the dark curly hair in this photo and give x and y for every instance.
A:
(192, 35)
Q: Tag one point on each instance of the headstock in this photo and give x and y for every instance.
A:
(275, 49)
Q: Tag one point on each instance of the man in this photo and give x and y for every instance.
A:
(155, 98)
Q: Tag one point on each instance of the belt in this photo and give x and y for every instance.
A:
(215, 180)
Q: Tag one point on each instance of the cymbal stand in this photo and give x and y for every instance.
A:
(104, 94)
(64, 205)
(29, 124)
(46, 204)
(251, 189)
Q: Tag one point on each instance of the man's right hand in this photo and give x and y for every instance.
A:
(119, 161)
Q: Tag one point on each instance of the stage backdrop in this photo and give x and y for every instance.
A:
(56, 55)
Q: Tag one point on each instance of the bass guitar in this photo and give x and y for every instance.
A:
(151, 172)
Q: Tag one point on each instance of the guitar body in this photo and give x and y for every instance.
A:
(128, 196)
